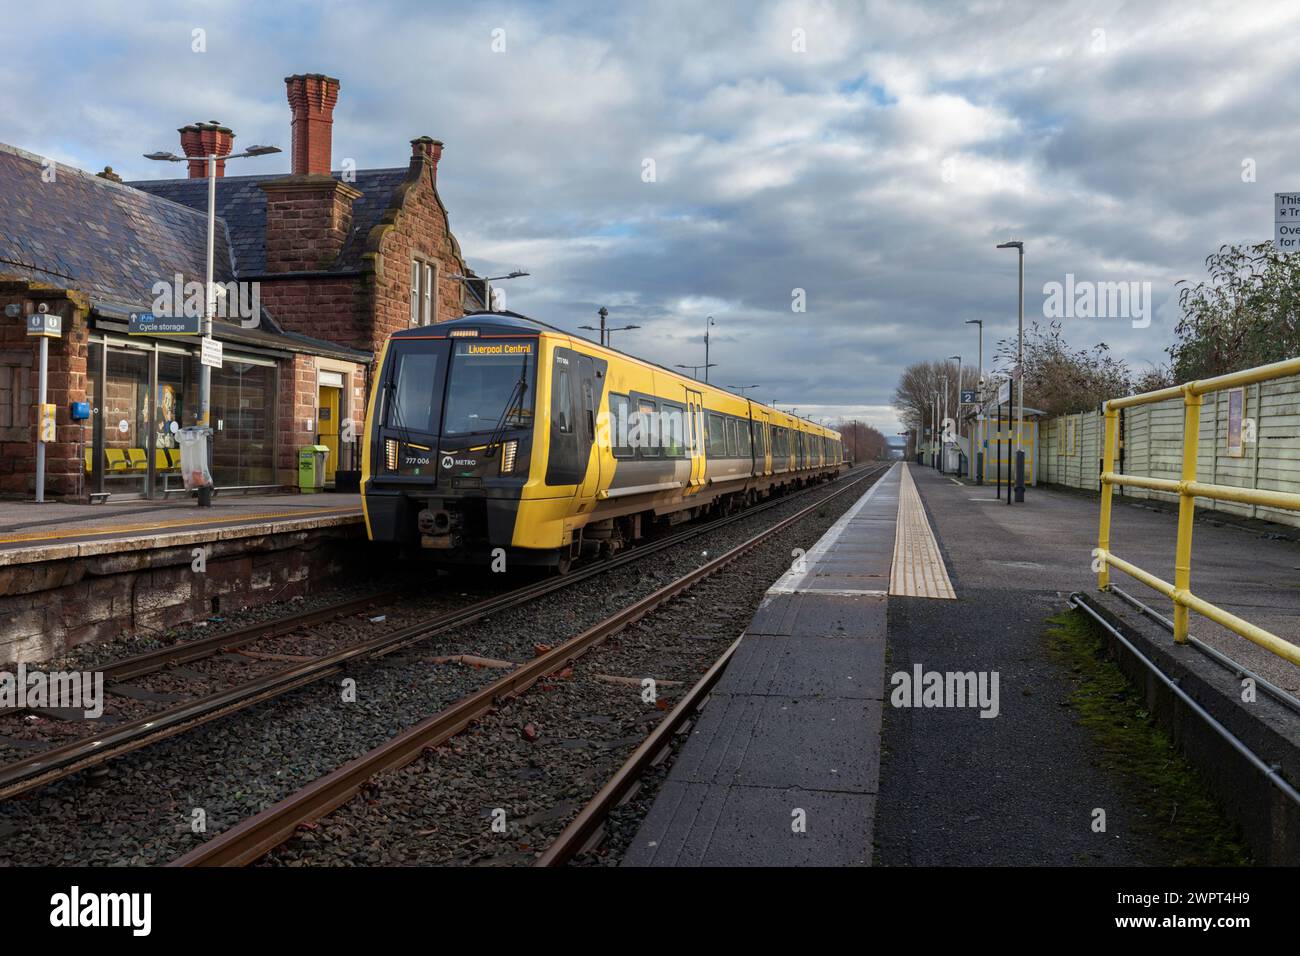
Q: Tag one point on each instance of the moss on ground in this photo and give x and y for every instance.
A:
(1178, 809)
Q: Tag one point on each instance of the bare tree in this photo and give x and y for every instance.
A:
(863, 442)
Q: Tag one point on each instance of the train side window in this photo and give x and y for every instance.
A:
(672, 428)
(649, 421)
(619, 423)
(746, 447)
(561, 401)
(717, 436)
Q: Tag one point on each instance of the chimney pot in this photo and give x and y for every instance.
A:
(427, 149)
(201, 140)
(312, 97)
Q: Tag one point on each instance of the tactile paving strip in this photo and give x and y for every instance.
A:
(918, 569)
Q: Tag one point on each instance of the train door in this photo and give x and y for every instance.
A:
(762, 445)
(695, 435)
(588, 399)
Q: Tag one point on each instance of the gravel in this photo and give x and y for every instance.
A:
(143, 809)
(500, 792)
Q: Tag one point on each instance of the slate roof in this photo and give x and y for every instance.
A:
(112, 242)
(241, 203)
(102, 238)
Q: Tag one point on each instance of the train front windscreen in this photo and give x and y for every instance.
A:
(444, 395)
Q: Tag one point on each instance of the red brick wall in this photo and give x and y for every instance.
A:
(304, 232)
(307, 221)
(422, 229)
(336, 309)
(297, 404)
(66, 383)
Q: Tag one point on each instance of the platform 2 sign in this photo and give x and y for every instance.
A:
(146, 323)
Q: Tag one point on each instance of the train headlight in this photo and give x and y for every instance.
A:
(390, 454)
(508, 452)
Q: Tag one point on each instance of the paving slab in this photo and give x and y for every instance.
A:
(782, 766)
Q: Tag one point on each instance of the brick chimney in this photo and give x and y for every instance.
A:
(312, 97)
(203, 140)
(428, 150)
(309, 212)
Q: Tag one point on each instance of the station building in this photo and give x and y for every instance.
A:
(321, 267)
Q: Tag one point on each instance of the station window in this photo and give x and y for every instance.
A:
(424, 292)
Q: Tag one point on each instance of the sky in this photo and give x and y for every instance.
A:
(829, 181)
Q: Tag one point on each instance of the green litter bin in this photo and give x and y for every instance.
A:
(311, 468)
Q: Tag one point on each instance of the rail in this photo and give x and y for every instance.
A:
(1188, 489)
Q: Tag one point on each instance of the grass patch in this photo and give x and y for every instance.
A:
(1176, 807)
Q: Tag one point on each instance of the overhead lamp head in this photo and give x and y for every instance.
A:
(164, 156)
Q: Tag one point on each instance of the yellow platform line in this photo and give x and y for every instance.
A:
(61, 533)
(918, 569)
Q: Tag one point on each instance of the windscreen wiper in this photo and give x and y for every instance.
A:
(520, 388)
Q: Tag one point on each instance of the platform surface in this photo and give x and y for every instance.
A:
(52, 530)
(782, 767)
(803, 724)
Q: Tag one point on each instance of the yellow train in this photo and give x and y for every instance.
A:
(495, 431)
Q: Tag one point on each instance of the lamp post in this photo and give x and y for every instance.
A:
(695, 370)
(957, 420)
(708, 323)
(487, 284)
(209, 305)
(977, 457)
(934, 425)
(606, 334)
(1019, 246)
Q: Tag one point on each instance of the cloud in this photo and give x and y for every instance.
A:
(875, 170)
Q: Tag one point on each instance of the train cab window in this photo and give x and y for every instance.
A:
(561, 403)
(672, 429)
(717, 436)
(648, 421)
(589, 410)
(619, 424)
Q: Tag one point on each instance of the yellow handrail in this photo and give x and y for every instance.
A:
(1188, 490)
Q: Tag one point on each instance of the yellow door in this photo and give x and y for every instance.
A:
(330, 401)
(695, 436)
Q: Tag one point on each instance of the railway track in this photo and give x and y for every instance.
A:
(251, 839)
(93, 750)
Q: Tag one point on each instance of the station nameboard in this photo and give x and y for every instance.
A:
(146, 323)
